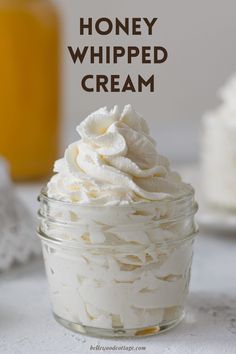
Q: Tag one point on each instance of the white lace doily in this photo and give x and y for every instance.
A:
(17, 226)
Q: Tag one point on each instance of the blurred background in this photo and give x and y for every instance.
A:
(41, 100)
(200, 39)
(41, 103)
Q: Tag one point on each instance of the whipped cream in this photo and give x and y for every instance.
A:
(125, 266)
(114, 162)
(123, 223)
(219, 150)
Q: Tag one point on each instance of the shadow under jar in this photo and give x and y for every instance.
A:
(118, 271)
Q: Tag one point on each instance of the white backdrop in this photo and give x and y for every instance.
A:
(200, 38)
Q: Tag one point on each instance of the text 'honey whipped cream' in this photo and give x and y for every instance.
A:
(114, 162)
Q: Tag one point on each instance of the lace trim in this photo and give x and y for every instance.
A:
(17, 236)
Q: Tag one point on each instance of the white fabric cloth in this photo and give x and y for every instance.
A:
(17, 227)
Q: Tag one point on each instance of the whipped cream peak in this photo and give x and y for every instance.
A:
(114, 162)
(228, 92)
(219, 150)
(225, 113)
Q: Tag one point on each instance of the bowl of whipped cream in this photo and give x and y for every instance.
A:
(117, 228)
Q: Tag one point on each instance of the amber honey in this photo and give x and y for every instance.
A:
(29, 86)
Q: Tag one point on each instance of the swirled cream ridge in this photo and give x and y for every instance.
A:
(114, 162)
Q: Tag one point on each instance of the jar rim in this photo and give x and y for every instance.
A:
(170, 199)
(182, 208)
(135, 247)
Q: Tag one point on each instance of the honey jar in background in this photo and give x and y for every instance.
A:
(29, 86)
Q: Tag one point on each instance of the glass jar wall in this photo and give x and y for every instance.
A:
(118, 270)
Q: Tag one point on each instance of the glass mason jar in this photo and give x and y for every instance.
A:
(118, 271)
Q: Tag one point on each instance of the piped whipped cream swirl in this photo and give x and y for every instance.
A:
(114, 162)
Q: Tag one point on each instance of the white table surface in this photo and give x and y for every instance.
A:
(27, 325)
